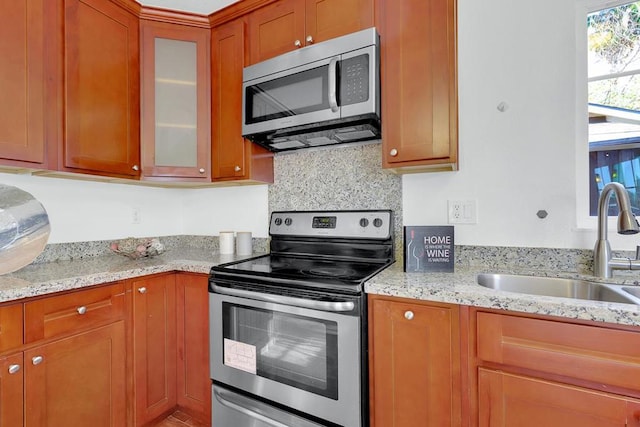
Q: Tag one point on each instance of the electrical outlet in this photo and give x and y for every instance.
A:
(462, 212)
(135, 215)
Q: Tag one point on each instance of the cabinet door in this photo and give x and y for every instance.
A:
(154, 346)
(175, 104)
(323, 23)
(11, 391)
(11, 327)
(233, 157)
(193, 379)
(415, 368)
(418, 83)
(77, 381)
(22, 81)
(513, 400)
(276, 29)
(102, 110)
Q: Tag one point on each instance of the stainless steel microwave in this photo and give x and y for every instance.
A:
(323, 94)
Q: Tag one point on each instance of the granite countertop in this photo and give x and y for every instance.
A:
(460, 287)
(45, 278)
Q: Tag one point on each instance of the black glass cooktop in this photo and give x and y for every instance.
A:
(313, 272)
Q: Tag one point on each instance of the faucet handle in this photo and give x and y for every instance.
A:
(637, 252)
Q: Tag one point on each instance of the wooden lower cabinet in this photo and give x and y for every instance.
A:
(414, 363)
(154, 346)
(193, 378)
(11, 390)
(514, 400)
(78, 380)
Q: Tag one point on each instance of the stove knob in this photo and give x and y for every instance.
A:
(377, 222)
(278, 221)
(287, 221)
(364, 222)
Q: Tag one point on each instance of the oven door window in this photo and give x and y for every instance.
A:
(292, 95)
(298, 351)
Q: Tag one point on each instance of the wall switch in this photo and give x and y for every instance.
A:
(462, 212)
(135, 215)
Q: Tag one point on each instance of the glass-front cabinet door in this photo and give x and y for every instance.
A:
(175, 106)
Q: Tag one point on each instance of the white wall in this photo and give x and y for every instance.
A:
(85, 211)
(512, 163)
(516, 162)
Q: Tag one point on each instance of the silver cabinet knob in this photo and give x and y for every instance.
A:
(135, 168)
(201, 170)
(37, 360)
(309, 39)
(408, 314)
(142, 290)
(393, 152)
(14, 368)
(297, 43)
(81, 310)
(237, 169)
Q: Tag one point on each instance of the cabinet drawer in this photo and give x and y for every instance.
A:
(10, 327)
(588, 353)
(66, 314)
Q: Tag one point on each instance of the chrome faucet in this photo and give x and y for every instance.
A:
(603, 262)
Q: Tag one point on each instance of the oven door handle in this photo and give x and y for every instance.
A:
(337, 306)
(250, 412)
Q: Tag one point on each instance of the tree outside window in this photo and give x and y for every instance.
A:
(614, 100)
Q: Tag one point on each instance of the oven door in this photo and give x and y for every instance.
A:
(305, 359)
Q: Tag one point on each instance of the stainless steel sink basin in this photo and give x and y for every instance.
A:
(559, 287)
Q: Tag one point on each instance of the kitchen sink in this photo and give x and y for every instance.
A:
(560, 287)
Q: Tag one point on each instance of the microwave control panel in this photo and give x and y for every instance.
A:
(354, 80)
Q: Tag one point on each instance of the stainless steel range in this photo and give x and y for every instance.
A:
(288, 329)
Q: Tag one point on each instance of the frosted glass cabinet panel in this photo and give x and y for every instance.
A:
(175, 108)
(176, 103)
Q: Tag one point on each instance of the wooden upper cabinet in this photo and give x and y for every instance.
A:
(102, 93)
(286, 25)
(23, 26)
(232, 157)
(414, 363)
(327, 19)
(418, 84)
(175, 101)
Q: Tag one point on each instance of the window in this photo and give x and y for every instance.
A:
(613, 35)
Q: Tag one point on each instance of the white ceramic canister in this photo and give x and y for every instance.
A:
(226, 241)
(243, 243)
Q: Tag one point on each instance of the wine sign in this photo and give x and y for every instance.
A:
(428, 248)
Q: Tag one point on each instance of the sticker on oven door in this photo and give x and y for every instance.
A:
(240, 355)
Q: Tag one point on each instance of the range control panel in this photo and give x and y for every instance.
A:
(366, 224)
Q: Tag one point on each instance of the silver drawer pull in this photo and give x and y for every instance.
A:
(408, 315)
(14, 368)
(297, 43)
(237, 169)
(37, 360)
(393, 152)
(81, 310)
(142, 290)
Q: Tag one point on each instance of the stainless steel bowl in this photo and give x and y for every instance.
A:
(24, 228)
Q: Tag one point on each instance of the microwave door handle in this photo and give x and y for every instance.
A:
(333, 98)
(225, 401)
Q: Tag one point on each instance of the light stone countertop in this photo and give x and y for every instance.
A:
(457, 288)
(46, 278)
(460, 287)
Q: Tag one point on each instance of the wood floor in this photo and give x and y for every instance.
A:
(179, 419)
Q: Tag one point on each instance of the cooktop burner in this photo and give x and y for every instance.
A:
(337, 251)
(276, 266)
